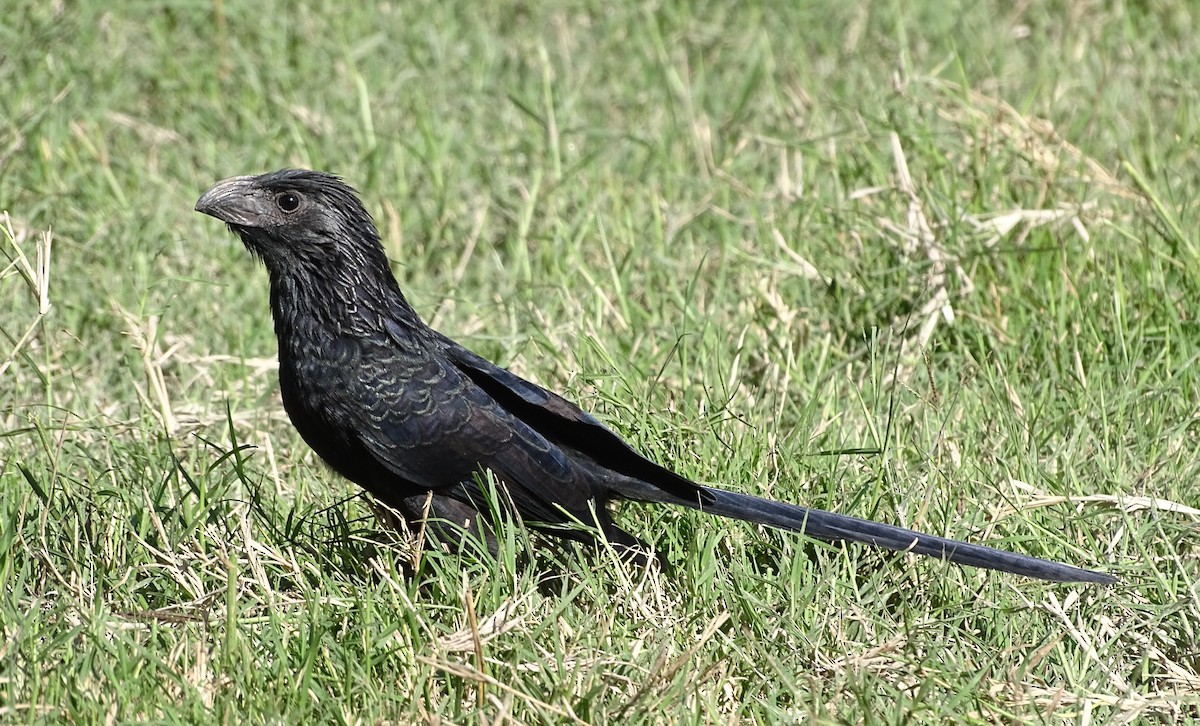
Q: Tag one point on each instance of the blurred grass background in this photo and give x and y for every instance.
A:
(957, 239)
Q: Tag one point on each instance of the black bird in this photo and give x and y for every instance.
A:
(405, 412)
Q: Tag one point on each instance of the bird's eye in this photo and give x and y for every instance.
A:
(288, 201)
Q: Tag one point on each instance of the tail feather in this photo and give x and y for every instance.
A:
(832, 527)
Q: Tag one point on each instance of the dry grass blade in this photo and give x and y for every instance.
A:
(36, 276)
(476, 641)
(144, 333)
(1035, 136)
(917, 237)
(507, 617)
(1126, 503)
(662, 674)
(466, 672)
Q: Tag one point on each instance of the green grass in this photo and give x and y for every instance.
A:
(690, 219)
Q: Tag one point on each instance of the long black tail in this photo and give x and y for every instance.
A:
(832, 527)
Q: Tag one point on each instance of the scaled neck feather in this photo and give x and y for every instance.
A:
(342, 294)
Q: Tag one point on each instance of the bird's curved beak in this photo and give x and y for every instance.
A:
(235, 201)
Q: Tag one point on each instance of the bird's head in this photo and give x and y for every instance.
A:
(297, 221)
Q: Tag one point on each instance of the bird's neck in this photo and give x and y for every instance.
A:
(338, 300)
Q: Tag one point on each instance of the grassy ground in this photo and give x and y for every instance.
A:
(955, 238)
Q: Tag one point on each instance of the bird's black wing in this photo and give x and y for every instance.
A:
(561, 421)
(426, 422)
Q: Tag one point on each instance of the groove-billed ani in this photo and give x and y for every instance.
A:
(404, 411)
